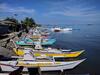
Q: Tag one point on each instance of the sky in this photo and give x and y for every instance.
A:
(52, 11)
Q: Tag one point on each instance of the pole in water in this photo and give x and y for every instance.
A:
(61, 72)
(39, 70)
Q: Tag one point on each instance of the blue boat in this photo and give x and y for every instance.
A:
(49, 42)
(25, 42)
(46, 42)
(28, 41)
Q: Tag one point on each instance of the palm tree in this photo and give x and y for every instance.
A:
(28, 23)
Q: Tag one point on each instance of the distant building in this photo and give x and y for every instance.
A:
(5, 26)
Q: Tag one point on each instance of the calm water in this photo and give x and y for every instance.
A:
(82, 37)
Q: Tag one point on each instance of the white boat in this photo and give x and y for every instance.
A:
(67, 29)
(56, 29)
(45, 64)
(62, 66)
(61, 29)
(45, 33)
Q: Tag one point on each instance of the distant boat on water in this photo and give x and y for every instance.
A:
(89, 24)
(61, 29)
(67, 29)
(56, 29)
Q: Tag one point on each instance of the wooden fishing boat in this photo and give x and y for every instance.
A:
(46, 41)
(28, 41)
(52, 53)
(45, 64)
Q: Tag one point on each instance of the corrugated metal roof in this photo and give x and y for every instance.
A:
(6, 22)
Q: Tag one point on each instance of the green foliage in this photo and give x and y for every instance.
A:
(28, 22)
(24, 24)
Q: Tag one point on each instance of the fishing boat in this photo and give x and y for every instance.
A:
(46, 41)
(50, 52)
(36, 34)
(28, 41)
(45, 64)
(56, 29)
(45, 33)
(24, 41)
(61, 29)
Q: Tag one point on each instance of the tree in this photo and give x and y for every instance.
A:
(28, 22)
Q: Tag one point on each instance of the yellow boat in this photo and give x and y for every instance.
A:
(68, 54)
(41, 53)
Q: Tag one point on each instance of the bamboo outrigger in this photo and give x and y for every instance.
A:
(45, 64)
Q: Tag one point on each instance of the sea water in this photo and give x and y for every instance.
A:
(83, 36)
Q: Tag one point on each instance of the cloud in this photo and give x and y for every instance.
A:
(73, 9)
(74, 12)
(6, 8)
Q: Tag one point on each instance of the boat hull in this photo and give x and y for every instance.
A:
(62, 66)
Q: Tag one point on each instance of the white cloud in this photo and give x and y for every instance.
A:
(73, 10)
(6, 8)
